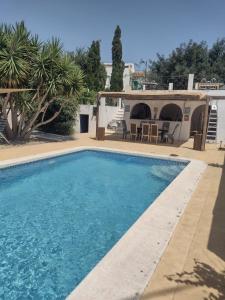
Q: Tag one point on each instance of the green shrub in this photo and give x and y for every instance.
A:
(65, 122)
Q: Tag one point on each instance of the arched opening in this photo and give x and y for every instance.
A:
(141, 111)
(171, 112)
(197, 120)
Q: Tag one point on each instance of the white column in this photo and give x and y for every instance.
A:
(190, 81)
(101, 122)
(170, 86)
(120, 102)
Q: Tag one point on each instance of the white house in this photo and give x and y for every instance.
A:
(128, 70)
(217, 101)
(86, 119)
(176, 107)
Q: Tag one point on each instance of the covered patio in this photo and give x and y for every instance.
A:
(173, 110)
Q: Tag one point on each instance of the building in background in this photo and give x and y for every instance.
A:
(209, 85)
(192, 114)
(128, 71)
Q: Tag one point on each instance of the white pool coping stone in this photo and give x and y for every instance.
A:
(123, 273)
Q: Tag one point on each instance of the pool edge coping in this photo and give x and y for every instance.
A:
(127, 267)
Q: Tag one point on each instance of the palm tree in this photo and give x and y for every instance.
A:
(51, 75)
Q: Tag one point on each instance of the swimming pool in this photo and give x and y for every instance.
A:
(60, 216)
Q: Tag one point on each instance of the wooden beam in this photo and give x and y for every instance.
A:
(97, 114)
(8, 91)
(205, 124)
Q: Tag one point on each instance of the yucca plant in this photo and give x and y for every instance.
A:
(51, 75)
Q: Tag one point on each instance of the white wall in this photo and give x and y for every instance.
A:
(129, 69)
(183, 132)
(220, 103)
(107, 113)
(220, 136)
(86, 110)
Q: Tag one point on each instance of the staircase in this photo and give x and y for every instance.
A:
(212, 125)
(117, 117)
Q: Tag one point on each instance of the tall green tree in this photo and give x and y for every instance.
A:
(79, 57)
(95, 70)
(52, 76)
(188, 58)
(116, 82)
(217, 60)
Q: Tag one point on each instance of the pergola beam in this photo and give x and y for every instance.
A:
(9, 91)
(157, 95)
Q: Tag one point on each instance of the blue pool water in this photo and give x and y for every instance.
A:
(60, 216)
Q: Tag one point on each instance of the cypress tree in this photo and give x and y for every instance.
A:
(116, 82)
(95, 71)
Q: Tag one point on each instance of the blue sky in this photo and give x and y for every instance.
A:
(147, 26)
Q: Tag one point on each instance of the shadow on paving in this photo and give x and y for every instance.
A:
(203, 275)
(216, 242)
(117, 137)
(156, 293)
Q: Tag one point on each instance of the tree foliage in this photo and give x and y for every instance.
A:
(87, 97)
(52, 76)
(116, 82)
(64, 123)
(217, 60)
(90, 63)
(95, 73)
(188, 58)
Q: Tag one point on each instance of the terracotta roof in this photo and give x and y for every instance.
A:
(7, 91)
(138, 74)
(157, 95)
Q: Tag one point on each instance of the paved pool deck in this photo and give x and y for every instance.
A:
(193, 264)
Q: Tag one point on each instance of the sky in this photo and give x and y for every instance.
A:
(148, 27)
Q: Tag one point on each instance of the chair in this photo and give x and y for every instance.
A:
(154, 134)
(125, 131)
(170, 136)
(133, 131)
(118, 128)
(2, 129)
(166, 126)
(145, 132)
(151, 122)
(165, 129)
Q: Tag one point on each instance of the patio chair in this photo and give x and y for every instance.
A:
(170, 136)
(118, 127)
(2, 129)
(151, 122)
(125, 131)
(133, 131)
(166, 125)
(154, 133)
(145, 132)
(165, 129)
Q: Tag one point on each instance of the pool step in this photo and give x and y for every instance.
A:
(165, 172)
